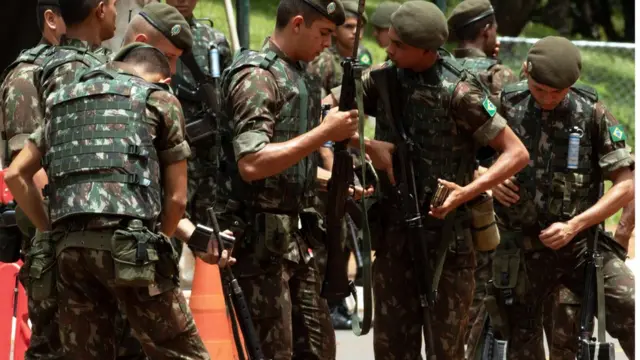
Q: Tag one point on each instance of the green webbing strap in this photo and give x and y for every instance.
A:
(61, 167)
(71, 122)
(364, 327)
(303, 125)
(602, 324)
(131, 179)
(268, 60)
(58, 139)
(137, 150)
(94, 105)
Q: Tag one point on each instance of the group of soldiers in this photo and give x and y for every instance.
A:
(113, 155)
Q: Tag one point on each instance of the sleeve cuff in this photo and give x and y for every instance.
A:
(177, 153)
(16, 143)
(249, 142)
(489, 130)
(617, 159)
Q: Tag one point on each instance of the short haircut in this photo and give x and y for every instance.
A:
(76, 11)
(287, 9)
(41, 9)
(472, 31)
(150, 60)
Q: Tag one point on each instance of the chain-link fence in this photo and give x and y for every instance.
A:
(608, 67)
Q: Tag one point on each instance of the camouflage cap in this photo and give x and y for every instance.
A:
(168, 20)
(381, 18)
(331, 9)
(420, 24)
(351, 10)
(554, 61)
(122, 53)
(468, 12)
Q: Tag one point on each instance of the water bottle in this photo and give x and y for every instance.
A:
(573, 155)
(214, 58)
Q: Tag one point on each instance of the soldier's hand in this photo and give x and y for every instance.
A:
(558, 235)
(357, 192)
(507, 192)
(341, 125)
(212, 256)
(381, 155)
(226, 259)
(453, 200)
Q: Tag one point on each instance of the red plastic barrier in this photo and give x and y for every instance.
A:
(5, 194)
(13, 302)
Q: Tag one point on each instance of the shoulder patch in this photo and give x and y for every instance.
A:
(489, 107)
(365, 59)
(617, 133)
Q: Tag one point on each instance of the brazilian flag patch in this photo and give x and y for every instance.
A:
(617, 133)
(365, 59)
(489, 107)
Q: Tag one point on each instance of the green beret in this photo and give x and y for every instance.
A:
(331, 9)
(420, 24)
(381, 18)
(554, 61)
(168, 20)
(125, 50)
(468, 12)
(351, 10)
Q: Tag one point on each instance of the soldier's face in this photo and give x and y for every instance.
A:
(185, 7)
(403, 55)
(107, 16)
(382, 36)
(346, 33)
(491, 46)
(547, 97)
(312, 40)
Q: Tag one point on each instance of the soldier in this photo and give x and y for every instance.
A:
(551, 232)
(267, 177)
(21, 116)
(381, 21)
(202, 164)
(120, 171)
(448, 117)
(327, 67)
(473, 25)
(127, 10)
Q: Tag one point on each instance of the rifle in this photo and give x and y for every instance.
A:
(235, 299)
(590, 348)
(207, 91)
(336, 285)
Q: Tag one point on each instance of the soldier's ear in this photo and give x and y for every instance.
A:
(50, 20)
(166, 81)
(100, 9)
(296, 22)
(143, 38)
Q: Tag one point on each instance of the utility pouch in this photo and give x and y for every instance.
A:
(40, 267)
(278, 234)
(484, 229)
(134, 257)
(508, 274)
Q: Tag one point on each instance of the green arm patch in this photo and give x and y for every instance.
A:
(365, 59)
(617, 133)
(489, 107)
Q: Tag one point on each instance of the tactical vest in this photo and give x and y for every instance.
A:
(100, 155)
(549, 191)
(476, 64)
(67, 54)
(183, 79)
(441, 150)
(300, 111)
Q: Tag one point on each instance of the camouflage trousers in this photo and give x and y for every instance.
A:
(291, 319)
(89, 302)
(562, 323)
(477, 312)
(398, 322)
(44, 343)
(545, 270)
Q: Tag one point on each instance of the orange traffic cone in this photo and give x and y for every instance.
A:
(207, 303)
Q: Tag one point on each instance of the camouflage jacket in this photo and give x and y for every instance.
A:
(443, 110)
(203, 37)
(270, 98)
(494, 75)
(21, 112)
(328, 69)
(550, 191)
(108, 138)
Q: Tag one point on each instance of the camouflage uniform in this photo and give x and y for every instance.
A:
(201, 165)
(494, 76)
(550, 193)
(276, 267)
(561, 321)
(106, 139)
(447, 119)
(21, 115)
(327, 67)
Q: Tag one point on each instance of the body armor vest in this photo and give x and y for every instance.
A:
(549, 190)
(476, 64)
(291, 190)
(35, 56)
(67, 54)
(100, 155)
(441, 150)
